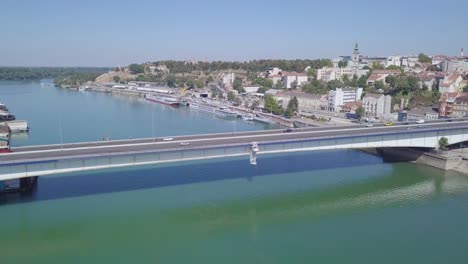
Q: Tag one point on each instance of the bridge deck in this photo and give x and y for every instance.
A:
(111, 148)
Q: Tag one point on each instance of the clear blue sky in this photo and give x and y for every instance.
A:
(111, 33)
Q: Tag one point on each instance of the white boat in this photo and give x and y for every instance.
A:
(248, 117)
(203, 107)
(3, 107)
(5, 116)
(18, 125)
(166, 100)
(226, 112)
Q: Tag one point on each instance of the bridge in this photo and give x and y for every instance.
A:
(25, 162)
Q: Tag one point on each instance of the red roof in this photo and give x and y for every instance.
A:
(386, 72)
(453, 77)
(374, 77)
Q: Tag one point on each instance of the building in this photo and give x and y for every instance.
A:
(377, 105)
(228, 79)
(451, 84)
(326, 74)
(460, 106)
(455, 65)
(409, 61)
(338, 97)
(289, 78)
(369, 61)
(438, 59)
(427, 79)
(446, 103)
(271, 92)
(356, 56)
(427, 113)
(251, 89)
(329, 74)
(380, 75)
(393, 61)
(308, 103)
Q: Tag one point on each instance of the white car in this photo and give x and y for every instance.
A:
(184, 143)
(420, 121)
(167, 139)
(369, 125)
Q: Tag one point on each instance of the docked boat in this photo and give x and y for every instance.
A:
(226, 112)
(5, 116)
(166, 100)
(3, 107)
(18, 125)
(203, 107)
(183, 103)
(248, 117)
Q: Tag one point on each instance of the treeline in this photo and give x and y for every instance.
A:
(36, 73)
(76, 78)
(249, 66)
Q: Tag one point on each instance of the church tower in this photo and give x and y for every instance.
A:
(356, 55)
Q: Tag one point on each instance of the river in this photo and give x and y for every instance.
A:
(317, 207)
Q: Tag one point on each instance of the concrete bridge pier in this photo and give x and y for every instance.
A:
(23, 185)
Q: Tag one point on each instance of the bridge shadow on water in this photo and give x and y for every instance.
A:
(130, 179)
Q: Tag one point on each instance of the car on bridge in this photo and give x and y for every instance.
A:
(167, 139)
(389, 123)
(289, 130)
(183, 144)
(369, 125)
(420, 121)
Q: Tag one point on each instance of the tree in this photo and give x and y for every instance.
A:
(237, 85)
(360, 111)
(136, 68)
(256, 103)
(294, 104)
(271, 104)
(264, 82)
(171, 80)
(312, 74)
(294, 85)
(343, 64)
(443, 143)
(262, 90)
(465, 89)
(210, 79)
(362, 81)
(190, 83)
(377, 66)
(116, 78)
(434, 68)
(231, 96)
(379, 85)
(394, 67)
(199, 83)
(423, 58)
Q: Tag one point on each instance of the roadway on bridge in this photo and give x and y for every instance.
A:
(213, 140)
(187, 137)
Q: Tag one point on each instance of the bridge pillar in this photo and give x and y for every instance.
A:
(253, 154)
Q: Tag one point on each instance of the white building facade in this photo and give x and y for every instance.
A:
(377, 105)
(338, 97)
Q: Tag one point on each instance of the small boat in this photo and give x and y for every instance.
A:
(226, 112)
(183, 103)
(248, 117)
